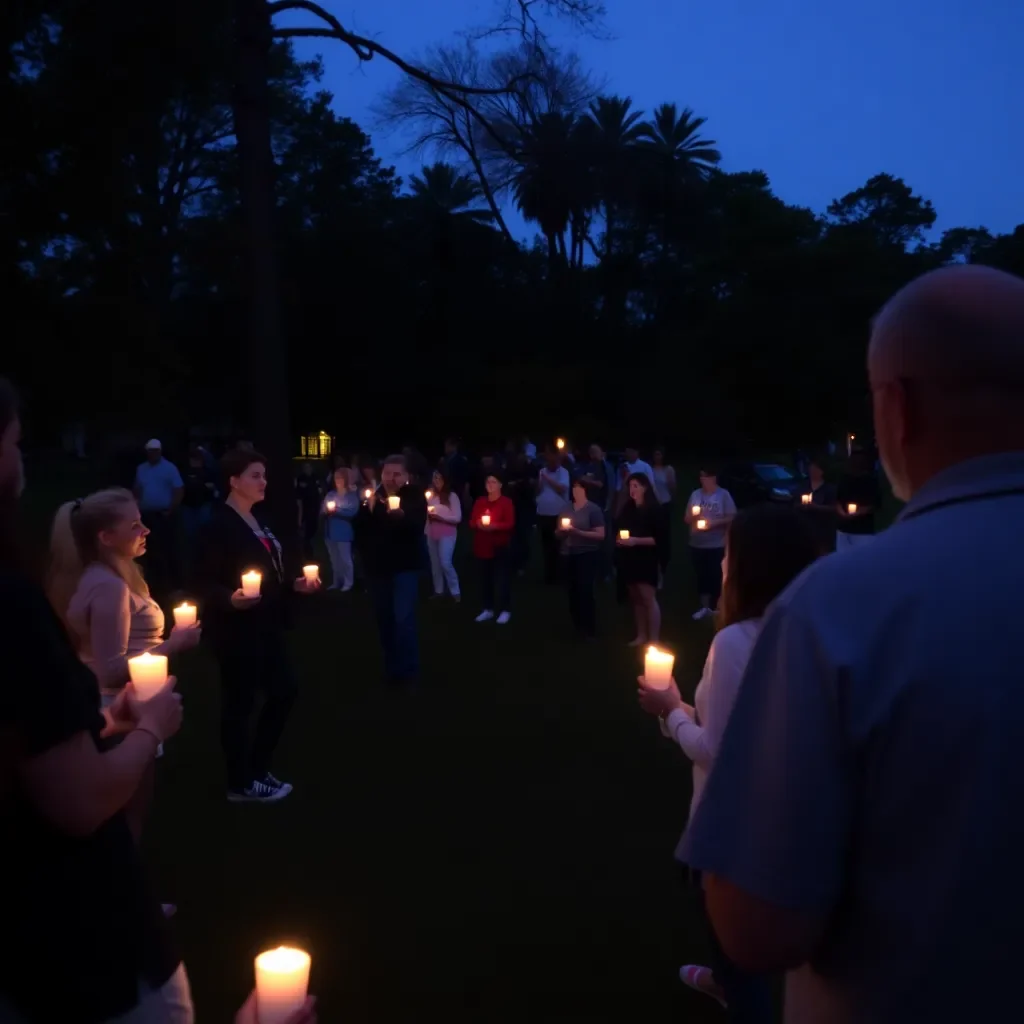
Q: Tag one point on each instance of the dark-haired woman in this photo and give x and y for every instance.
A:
(767, 547)
(639, 534)
(87, 940)
(247, 633)
(492, 521)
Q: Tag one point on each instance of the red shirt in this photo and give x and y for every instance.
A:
(488, 539)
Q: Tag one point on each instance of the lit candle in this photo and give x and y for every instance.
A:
(431, 509)
(623, 534)
(148, 674)
(658, 668)
(311, 572)
(394, 501)
(485, 519)
(331, 505)
(368, 493)
(282, 980)
(695, 510)
(251, 583)
(702, 524)
(805, 498)
(428, 495)
(852, 509)
(185, 615)
(566, 523)
(560, 443)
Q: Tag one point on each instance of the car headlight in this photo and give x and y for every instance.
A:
(780, 492)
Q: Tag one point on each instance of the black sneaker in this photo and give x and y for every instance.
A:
(260, 792)
(276, 783)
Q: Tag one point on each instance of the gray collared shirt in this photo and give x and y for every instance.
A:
(873, 767)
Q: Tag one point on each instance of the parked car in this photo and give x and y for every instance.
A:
(751, 483)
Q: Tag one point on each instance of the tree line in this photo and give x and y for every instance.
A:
(663, 298)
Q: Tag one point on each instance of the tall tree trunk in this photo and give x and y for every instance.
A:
(265, 355)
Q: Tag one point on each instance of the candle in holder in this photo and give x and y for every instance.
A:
(251, 583)
(566, 522)
(184, 615)
(148, 674)
(623, 534)
(485, 519)
(695, 510)
(282, 981)
(806, 499)
(702, 524)
(658, 668)
(331, 505)
(311, 573)
(394, 501)
(852, 509)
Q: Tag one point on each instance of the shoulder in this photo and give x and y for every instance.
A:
(735, 639)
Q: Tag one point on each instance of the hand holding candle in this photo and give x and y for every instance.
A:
(623, 534)
(148, 674)
(806, 499)
(184, 615)
(702, 524)
(566, 522)
(282, 980)
(394, 503)
(331, 505)
(311, 574)
(251, 582)
(485, 519)
(695, 510)
(658, 668)
(851, 509)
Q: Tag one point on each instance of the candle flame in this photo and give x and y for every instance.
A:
(184, 607)
(283, 960)
(656, 656)
(560, 443)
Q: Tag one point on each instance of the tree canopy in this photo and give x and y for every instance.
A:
(663, 296)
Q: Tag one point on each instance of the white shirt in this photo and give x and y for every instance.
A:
(716, 693)
(640, 467)
(549, 501)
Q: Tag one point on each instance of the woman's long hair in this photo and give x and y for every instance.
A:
(444, 494)
(767, 547)
(74, 545)
(650, 498)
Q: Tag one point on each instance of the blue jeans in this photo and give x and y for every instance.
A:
(394, 604)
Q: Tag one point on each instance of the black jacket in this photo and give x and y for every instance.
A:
(391, 543)
(227, 549)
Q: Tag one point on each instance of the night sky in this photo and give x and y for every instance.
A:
(819, 94)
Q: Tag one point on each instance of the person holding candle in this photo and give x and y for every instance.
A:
(88, 940)
(493, 521)
(340, 505)
(582, 533)
(96, 587)
(638, 562)
(664, 481)
(390, 542)
(767, 547)
(245, 633)
(444, 513)
(715, 507)
(857, 498)
(553, 497)
(821, 508)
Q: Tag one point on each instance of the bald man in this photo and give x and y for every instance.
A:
(863, 828)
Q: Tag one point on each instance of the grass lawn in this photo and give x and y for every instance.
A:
(496, 847)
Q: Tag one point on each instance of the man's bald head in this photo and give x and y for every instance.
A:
(946, 363)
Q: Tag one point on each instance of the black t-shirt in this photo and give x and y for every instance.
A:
(80, 925)
(200, 487)
(307, 488)
(863, 491)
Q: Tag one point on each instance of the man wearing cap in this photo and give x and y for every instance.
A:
(159, 490)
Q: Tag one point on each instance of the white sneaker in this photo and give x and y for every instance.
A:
(503, 618)
(701, 613)
(484, 616)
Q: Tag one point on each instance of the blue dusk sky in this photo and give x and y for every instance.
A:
(820, 95)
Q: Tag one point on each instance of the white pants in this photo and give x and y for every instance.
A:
(340, 554)
(844, 541)
(441, 551)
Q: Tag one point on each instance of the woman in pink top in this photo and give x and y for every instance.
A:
(96, 587)
(444, 513)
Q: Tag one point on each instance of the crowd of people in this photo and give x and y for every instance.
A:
(857, 735)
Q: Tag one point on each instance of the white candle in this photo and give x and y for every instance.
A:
(695, 510)
(852, 509)
(623, 534)
(428, 495)
(394, 501)
(566, 523)
(251, 583)
(331, 505)
(485, 519)
(805, 498)
(185, 615)
(658, 668)
(311, 572)
(148, 673)
(560, 443)
(702, 524)
(282, 981)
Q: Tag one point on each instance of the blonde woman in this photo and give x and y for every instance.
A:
(96, 587)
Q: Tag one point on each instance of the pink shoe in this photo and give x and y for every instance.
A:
(700, 979)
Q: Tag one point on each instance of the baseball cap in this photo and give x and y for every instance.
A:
(154, 445)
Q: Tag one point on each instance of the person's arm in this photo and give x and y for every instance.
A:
(348, 505)
(451, 513)
(595, 526)
(178, 488)
(475, 513)
(505, 513)
(110, 621)
(213, 573)
(689, 518)
(775, 864)
(560, 482)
